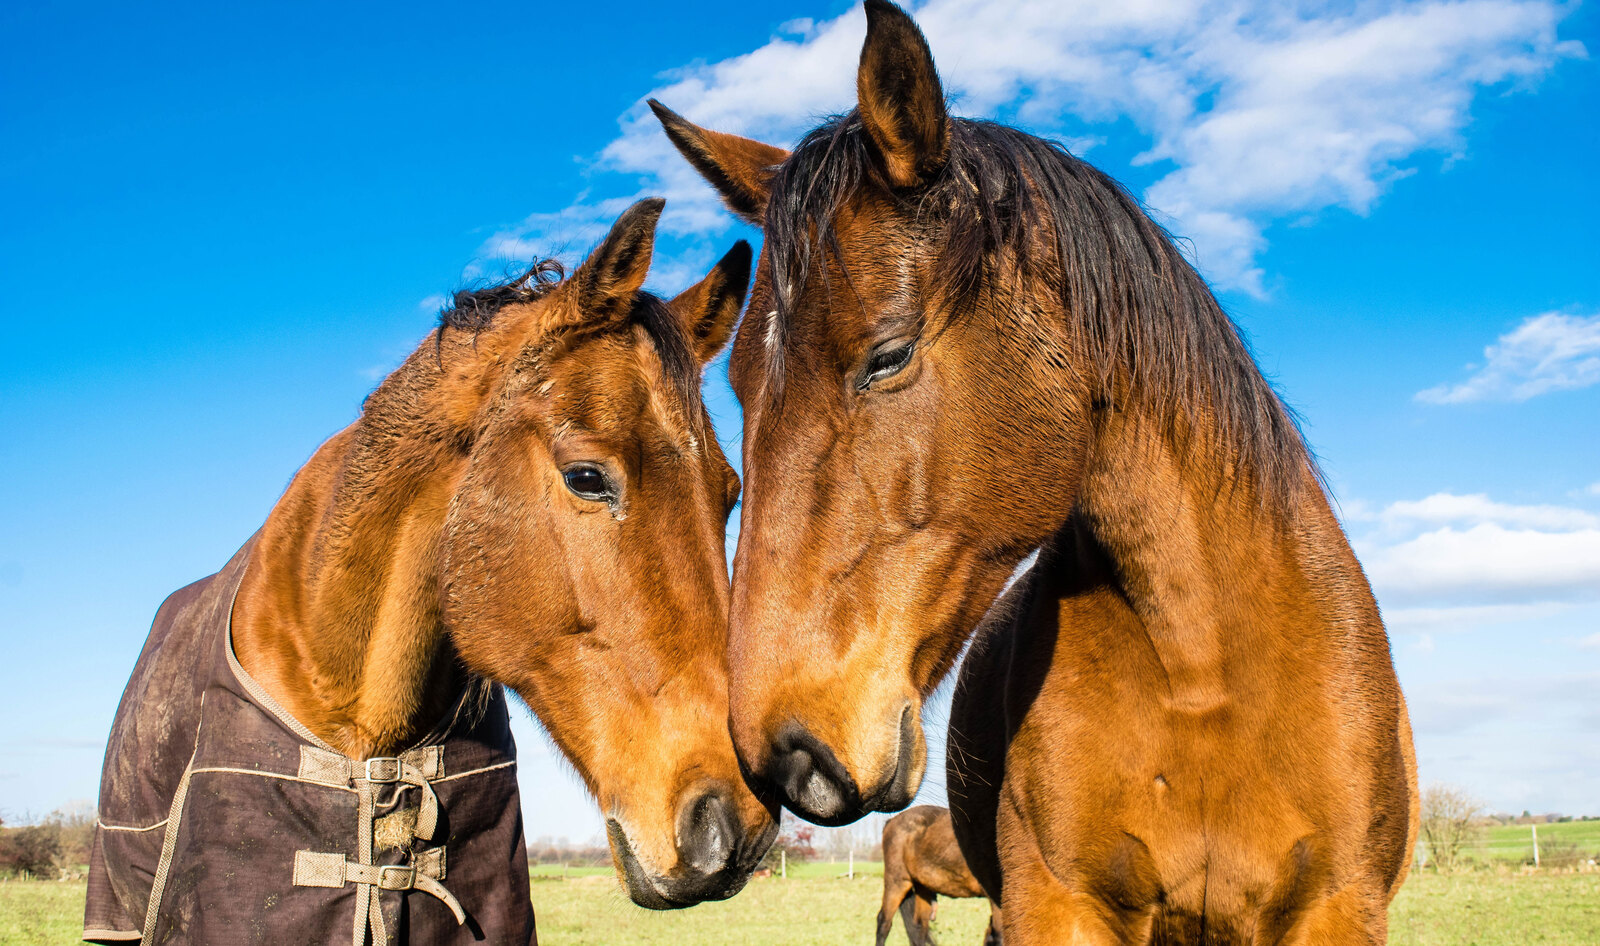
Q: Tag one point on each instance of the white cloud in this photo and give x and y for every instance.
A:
(1487, 563)
(1500, 710)
(1424, 620)
(1478, 508)
(1467, 559)
(1549, 352)
(1263, 110)
(575, 227)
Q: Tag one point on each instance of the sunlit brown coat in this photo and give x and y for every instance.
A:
(972, 358)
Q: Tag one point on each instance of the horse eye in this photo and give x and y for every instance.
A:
(887, 362)
(588, 482)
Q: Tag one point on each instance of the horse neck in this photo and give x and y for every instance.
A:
(1212, 570)
(338, 613)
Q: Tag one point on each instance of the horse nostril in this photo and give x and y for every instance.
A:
(818, 794)
(709, 835)
(814, 784)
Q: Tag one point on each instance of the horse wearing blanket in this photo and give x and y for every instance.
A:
(315, 744)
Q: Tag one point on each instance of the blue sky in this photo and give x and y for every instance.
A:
(220, 227)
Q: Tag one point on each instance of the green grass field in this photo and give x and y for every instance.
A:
(815, 906)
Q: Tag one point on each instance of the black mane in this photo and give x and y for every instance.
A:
(1135, 302)
(473, 310)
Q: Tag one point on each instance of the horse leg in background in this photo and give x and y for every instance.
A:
(895, 895)
(991, 934)
(917, 912)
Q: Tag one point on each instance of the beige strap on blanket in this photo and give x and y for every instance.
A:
(313, 869)
(416, 767)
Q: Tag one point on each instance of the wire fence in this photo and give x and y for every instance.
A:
(1553, 844)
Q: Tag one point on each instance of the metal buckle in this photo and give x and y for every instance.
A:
(406, 871)
(384, 776)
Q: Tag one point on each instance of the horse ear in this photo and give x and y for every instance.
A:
(611, 276)
(900, 98)
(708, 308)
(739, 168)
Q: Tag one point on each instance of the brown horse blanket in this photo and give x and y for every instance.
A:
(223, 820)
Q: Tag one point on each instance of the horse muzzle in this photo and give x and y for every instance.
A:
(811, 781)
(716, 853)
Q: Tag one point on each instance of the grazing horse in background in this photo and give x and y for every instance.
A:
(535, 498)
(921, 861)
(971, 358)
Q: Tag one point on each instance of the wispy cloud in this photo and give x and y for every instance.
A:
(51, 743)
(1478, 508)
(546, 234)
(1549, 352)
(1423, 620)
(1467, 559)
(1488, 563)
(1465, 704)
(1260, 110)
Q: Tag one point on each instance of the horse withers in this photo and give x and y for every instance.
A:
(314, 745)
(972, 360)
(921, 863)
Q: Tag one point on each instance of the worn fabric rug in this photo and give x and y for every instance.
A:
(225, 821)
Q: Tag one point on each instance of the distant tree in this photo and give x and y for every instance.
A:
(30, 850)
(545, 851)
(1449, 823)
(862, 839)
(801, 843)
(76, 823)
(796, 842)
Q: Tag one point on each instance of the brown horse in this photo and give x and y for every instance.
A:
(921, 861)
(536, 498)
(969, 353)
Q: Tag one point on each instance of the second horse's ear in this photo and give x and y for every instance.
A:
(708, 309)
(740, 169)
(614, 273)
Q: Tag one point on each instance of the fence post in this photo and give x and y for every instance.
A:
(783, 863)
(1535, 828)
(852, 864)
